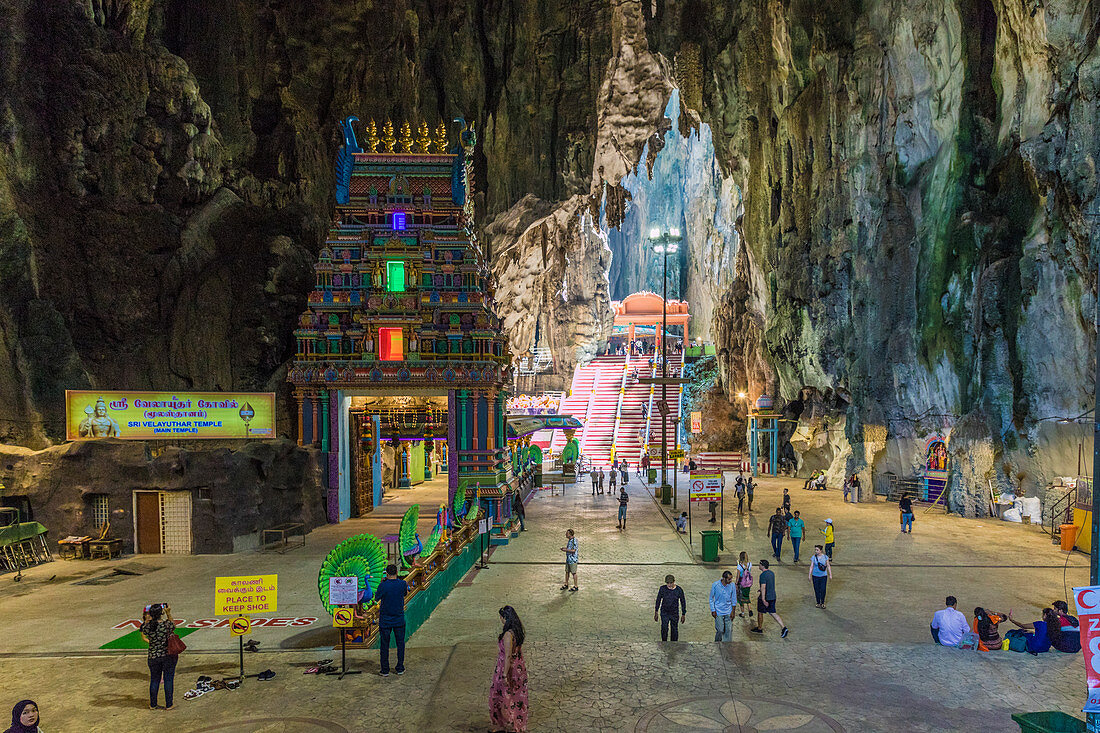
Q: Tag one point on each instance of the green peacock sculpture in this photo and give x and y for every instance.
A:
(409, 540)
(433, 540)
(459, 505)
(362, 556)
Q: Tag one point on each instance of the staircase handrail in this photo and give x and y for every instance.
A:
(649, 409)
(619, 406)
(679, 401)
(1064, 505)
(588, 407)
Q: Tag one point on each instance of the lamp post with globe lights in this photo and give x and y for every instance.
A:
(664, 244)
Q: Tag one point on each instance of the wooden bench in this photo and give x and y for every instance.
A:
(283, 532)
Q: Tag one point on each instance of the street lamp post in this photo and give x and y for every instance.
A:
(664, 243)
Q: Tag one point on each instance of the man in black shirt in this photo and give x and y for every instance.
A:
(777, 527)
(670, 599)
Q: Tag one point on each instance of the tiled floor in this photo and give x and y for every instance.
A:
(595, 660)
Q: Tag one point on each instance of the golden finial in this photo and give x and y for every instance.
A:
(372, 137)
(423, 139)
(406, 138)
(387, 137)
(441, 138)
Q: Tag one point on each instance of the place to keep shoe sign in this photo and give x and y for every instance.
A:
(246, 594)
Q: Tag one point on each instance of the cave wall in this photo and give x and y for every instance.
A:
(166, 166)
(679, 183)
(236, 492)
(911, 188)
(920, 200)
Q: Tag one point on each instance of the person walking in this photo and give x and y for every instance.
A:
(623, 499)
(595, 480)
(765, 601)
(796, 529)
(157, 625)
(830, 538)
(786, 501)
(721, 606)
(744, 584)
(670, 605)
(612, 479)
(519, 509)
(750, 487)
(508, 703)
(739, 492)
(905, 506)
(570, 551)
(777, 527)
(24, 718)
(391, 619)
(624, 471)
(599, 471)
(821, 572)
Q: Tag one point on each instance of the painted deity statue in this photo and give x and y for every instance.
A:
(98, 424)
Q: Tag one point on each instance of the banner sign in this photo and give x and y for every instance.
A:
(705, 487)
(246, 594)
(152, 415)
(1088, 614)
(696, 422)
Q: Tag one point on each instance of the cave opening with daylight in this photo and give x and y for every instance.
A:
(680, 187)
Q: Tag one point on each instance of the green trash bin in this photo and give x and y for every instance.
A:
(712, 542)
(666, 494)
(1050, 721)
(651, 475)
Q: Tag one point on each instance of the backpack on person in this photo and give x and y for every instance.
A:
(746, 578)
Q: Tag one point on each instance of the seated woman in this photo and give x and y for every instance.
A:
(985, 626)
(1046, 632)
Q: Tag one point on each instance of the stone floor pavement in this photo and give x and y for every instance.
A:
(594, 657)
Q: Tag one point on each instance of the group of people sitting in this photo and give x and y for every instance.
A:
(816, 481)
(1056, 630)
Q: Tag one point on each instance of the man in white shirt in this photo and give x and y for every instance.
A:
(949, 624)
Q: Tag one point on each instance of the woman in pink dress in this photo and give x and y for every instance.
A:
(508, 694)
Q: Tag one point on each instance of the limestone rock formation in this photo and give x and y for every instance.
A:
(234, 493)
(902, 216)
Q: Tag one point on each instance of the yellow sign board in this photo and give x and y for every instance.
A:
(342, 618)
(160, 415)
(676, 453)
(246, 594)
(240, 626)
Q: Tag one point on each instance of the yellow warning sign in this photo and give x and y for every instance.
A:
(246, 594)
(342, 618)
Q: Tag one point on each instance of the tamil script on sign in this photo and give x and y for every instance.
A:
(705, 487)
(144, 415)
(246, 594)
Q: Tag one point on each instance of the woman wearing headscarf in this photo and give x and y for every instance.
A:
(24, 718)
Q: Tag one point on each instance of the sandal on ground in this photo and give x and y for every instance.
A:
(193, 693)
(574, 588)
(565, 587)
(312, 670)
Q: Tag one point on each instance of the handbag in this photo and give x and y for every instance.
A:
(175, 645)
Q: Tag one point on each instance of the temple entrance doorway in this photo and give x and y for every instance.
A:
(394, 443)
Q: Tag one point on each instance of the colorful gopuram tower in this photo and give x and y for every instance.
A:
(402, 310)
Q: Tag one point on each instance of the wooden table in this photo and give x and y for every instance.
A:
(282, 532)
(393, 550)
